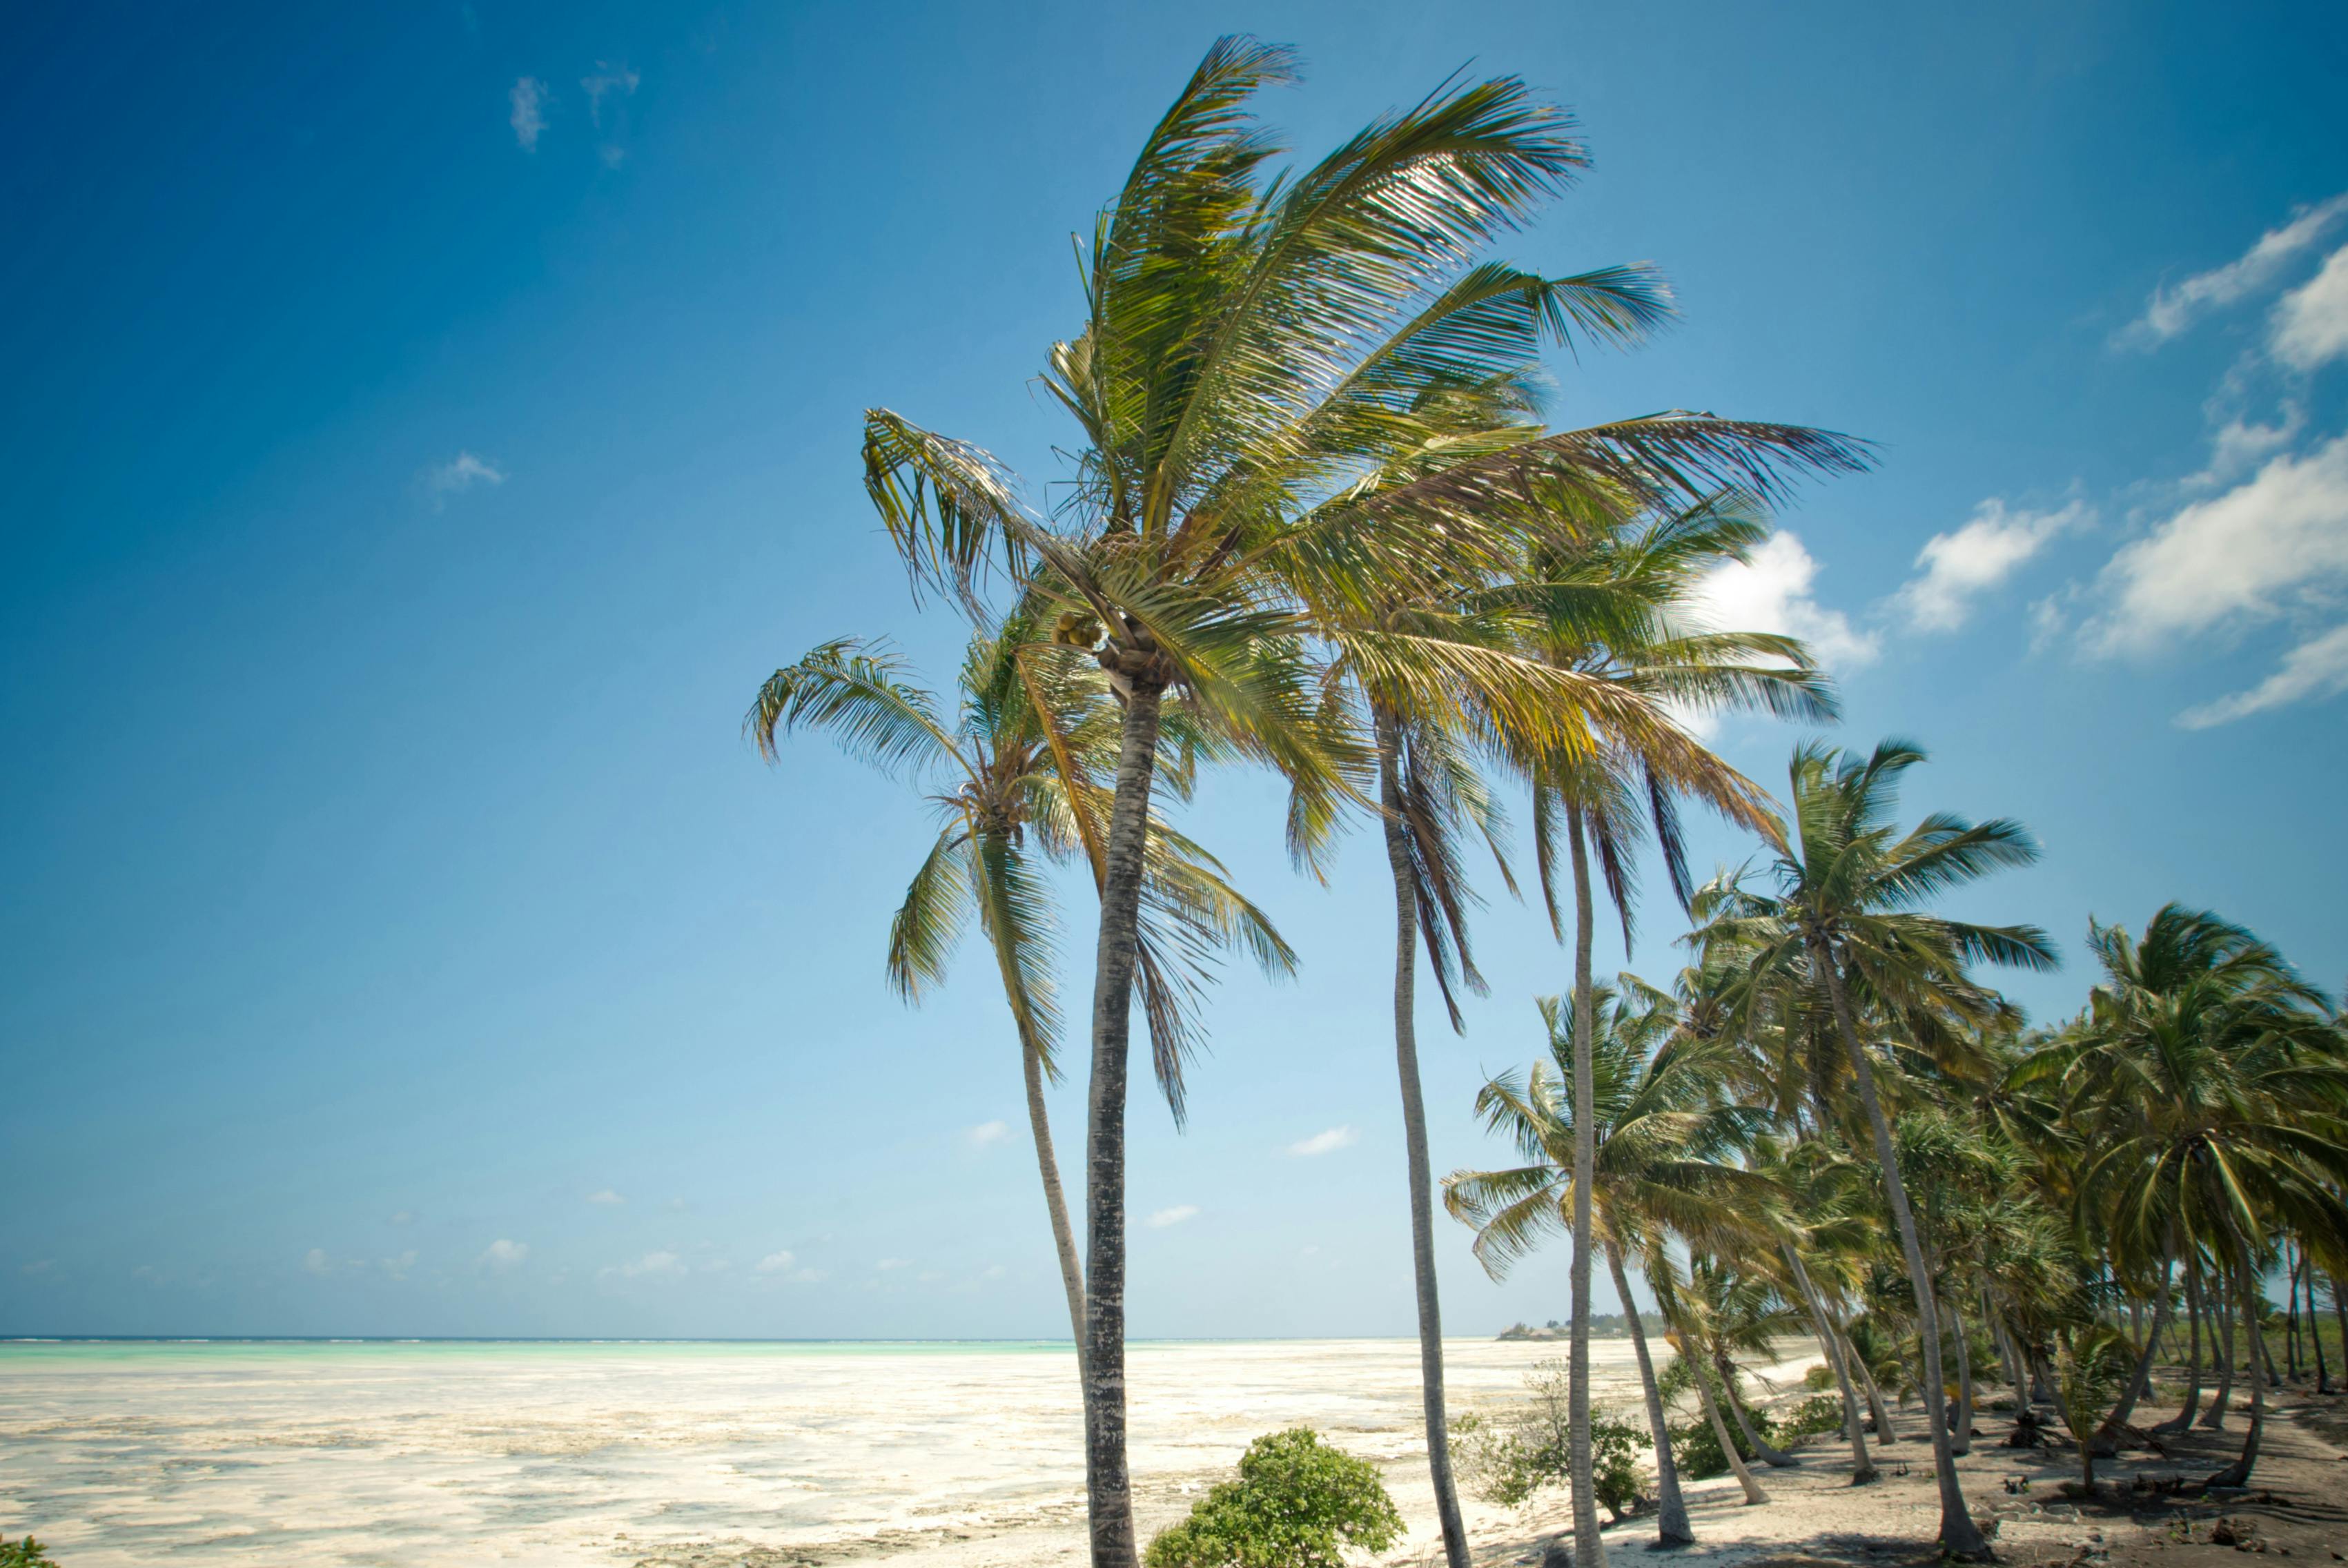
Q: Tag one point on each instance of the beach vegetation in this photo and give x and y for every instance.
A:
(1297, 1502)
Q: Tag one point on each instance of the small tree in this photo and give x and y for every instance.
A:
(1297, 1504)
(25, 1554)
(2091, 1365)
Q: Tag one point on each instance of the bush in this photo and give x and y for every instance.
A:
(1297, 1504)
(1697, 1452)
(1819, 1413)
(1507, 1460)
(25, 1554)
(1819, 1378)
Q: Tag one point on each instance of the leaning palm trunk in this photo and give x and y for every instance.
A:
(1671, 1528)
(2184, 1417)
(1960, 1536)
(1413, 1126)
(1588, 1548)
(1108, 1491)
(1961, 1438)
(2221, 1324)
(1877, 1411)
(1702, 1381)
(2238, 1473)
(2107, 1437)
(1862, 1467)
(1064, 1240)
(1770, 1454)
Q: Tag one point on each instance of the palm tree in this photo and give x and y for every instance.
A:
(1844, 921)
(1664, 1141)
(1604, 791)
(1018, 766)
(1247, 348)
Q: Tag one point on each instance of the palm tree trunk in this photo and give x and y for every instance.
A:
(2238, 1473)
(1414, 1128)
(1671, 1509)
(2108, 1436)
(1960, 1438)
(1588, 1548)
(1960, 1536)
(2213, 1419)
(2340, 1311)
(1880, 1413)
(1769, 1453)
(1700, 1377)
(1108, 1488)
(2184, 1417)
(1862, 1467)
(2291, 1313)
(1063, 1239)
(2315, 1333)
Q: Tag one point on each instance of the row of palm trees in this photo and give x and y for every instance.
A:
(1317, 524)
(1760, 1121)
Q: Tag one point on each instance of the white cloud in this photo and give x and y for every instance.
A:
(775, 1262)
(1771, 593)
(316, 1260)
(2171, 310)
(528, 99)
(655, 1264)
(2311, 322)
(397, 1267)
(459, 474)
(885, 1265)
(43, 1266)
(2275, 542)
(1173, 1216)
(987, 1133)
(502, 1253)
(605, 1196)
(2316, 669)
(1327, 1142)
(1959, 567)
(607, 81)
(2240, 445)
(405, 1217)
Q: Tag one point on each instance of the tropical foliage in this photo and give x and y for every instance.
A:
(1298, 1502)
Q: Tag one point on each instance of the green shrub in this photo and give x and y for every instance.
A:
(1297, 1504)
(1819, 1413)
(1506, 1459)
(1819, 1378)
(1697, 1452)
(25, 1554)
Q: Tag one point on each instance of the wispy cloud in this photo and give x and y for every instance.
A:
(502, 1253)
(459, 474)
(606, 81)
(528, 102)
(2311, 322)
(777, 1262)
(987, 1134)
(1958, 567)
(606, 1196)
(316, 1260)
(41, 1267)
(1173, 1216)
(2315, 669)
(397, 1267)
(655, 1263)
(1327, 1142)
(2172, 309)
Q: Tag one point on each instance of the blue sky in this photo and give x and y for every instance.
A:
(426, 425)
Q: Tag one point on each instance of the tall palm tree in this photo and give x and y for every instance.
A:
(1612, 784)
(1249, 346)
(1844, 921)
(1016, 767)
(1664, 1142)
